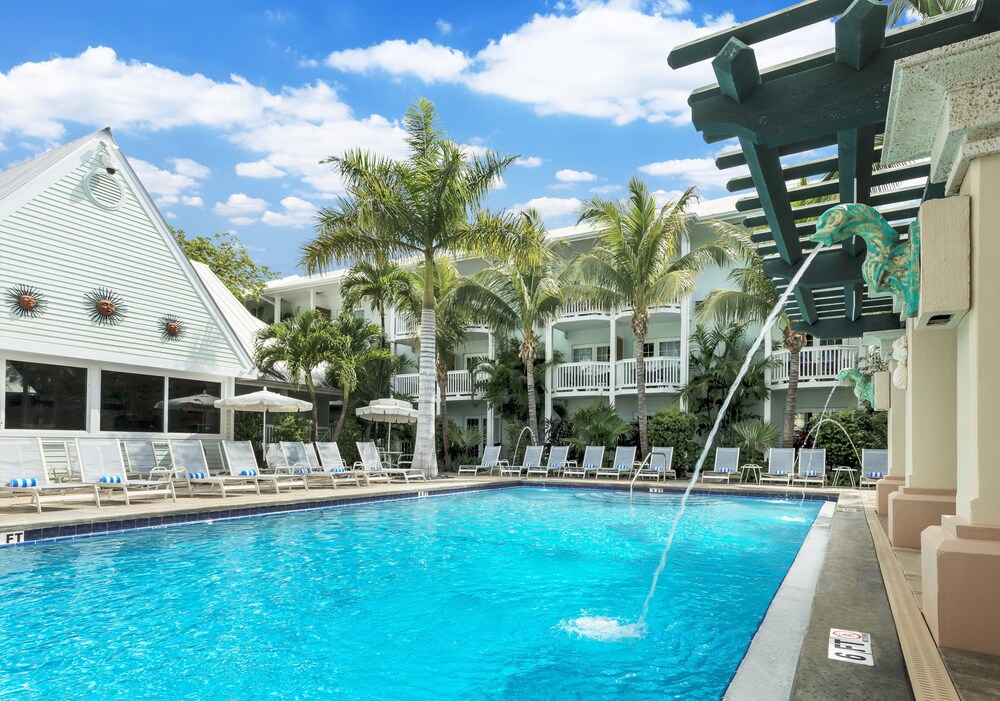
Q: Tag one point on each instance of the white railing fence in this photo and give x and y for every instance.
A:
(816, 364)
(660, 372)
(570, 377)
(580, 309)
(406, 325)
(461, 383)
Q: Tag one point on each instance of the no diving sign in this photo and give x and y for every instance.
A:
(851, 646)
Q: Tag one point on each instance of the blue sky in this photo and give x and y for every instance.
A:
(225, 108)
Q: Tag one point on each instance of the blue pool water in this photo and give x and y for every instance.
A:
(458, 597)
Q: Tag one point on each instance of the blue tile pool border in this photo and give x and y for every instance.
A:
(83, 530)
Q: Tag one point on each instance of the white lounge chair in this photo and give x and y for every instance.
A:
(623, 464)
(532, 458)
(812, 467)
(23, 472)
(593, 460)
(558, 455)
(373, 468)
(273, 457)
(780, 466)
(659, 465)
(141, 462)
(874, 466)
(242, 462)
(727, 466)
(491, 458)
(191, 467)
(333, 464)
(101, 462)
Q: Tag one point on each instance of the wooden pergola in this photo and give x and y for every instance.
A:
(836, 98)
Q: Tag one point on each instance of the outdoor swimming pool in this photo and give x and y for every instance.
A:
(459, 597)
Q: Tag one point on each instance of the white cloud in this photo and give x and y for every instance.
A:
(528, 161)
(297, 214)
(431, 63)
(443, 26)
(171, 187)
(192, 201)
(192, 169)
(240, 205)
(551, 207)
(693, 171)
(567, 175)
(662, 197)
(605, 189)
(499, 184)
(242, 221)
(671, 7)
(308, 63)
(170, 215)
(258, 169)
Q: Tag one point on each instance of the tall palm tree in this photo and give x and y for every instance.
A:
(518, 297)
(353, 351)
(453, 319)
(752, 300)
(924, 8)
(428, 204)
(637, 264)
(292, 349)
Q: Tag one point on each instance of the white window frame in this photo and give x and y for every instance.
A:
(655, 342)
(593, 352)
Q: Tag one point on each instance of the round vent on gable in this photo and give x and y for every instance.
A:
(105, 190)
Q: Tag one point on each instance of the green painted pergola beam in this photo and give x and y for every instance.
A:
(766, 27)
(860, 32)
(765, 168)
(736, 70)
(806, 304)
(843, 328)
(735, 157)
(804, 230)
(808, 211)
(884, 176)
(854, 298)
(830, 269)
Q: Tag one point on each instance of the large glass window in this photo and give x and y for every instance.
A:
(131, 402)
(46, 397)
(191, 406)
(583, 354)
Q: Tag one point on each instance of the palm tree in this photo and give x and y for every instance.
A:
(292, 349)
(637, 264)
(924, 8)
(355, 348)
(752, 300)
(426, 205)
(453, 321)
(518, 297)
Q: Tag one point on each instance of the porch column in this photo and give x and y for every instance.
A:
(687, 308)
(897, 447)
(929, 492)
(613, 358)
(491, 352)
(312, 299)
(277, 308)
(768, 350)
(548, 369)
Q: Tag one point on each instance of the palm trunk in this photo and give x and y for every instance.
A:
(640, 393)
(529, 373)
(342, 419)
(424, 457)
(791, 395)
(442, 381)
(315, 409)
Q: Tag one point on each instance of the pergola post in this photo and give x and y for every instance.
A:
(897, 448)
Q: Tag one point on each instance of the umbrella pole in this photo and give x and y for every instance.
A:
(263, 435)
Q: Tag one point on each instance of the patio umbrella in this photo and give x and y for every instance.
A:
(264, 401)
(389, 411)
(195, 401)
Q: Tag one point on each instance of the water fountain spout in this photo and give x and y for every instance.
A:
(517, 446)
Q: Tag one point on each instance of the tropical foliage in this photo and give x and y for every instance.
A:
(679, 429)
(924, 8)
(502, 382)
(597, 424)
(425, 205)
(867, 429)
(754, 437)
(227, 257)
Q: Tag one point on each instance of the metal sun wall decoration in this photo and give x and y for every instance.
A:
(25, 300)
(172, 328)
(106, 307)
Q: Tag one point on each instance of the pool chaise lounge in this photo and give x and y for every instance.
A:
(333, 464)
(727, 466)
(491, 460)
(242, 462)
(373, 468)
(874, 466)
(23, 472)
(532, 458)
(623, 464)
(301, 460)
(101, 463)
(658, 465)
(558, 456)
(593, 460)
(812, 467)
(191, 467)
(780, 465)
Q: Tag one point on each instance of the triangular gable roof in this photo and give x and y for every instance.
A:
(18, 185)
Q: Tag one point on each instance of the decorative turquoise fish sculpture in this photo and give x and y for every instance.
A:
(891, 265)
(864, 388)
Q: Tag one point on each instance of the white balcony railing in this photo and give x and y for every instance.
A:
(406, 325)
(461, 383)
(660, 372)
(574, 309)
(581, 377)
(816, 364)
(407, 384)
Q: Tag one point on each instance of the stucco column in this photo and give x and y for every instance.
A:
(613, 360)
(277, 308)
(930, 424)
(491, 351)
(897, 447)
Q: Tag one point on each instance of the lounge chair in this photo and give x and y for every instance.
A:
(23, 472)
(558, 455)
(141, 462)
(812, 467)
(532, 458)
(874, 466)
(331, 463)
(593, 460)
(373, 468)
(191, 467)
(780, 466)
(659, 465)
(101, 462)
(242, 462)
(491, 458)
(273, 457)
(727, 466)
(623, 464)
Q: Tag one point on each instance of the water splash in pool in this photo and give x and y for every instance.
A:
(595, 627)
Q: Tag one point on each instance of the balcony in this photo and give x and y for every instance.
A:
(461, 384)
(581, 310)
(581, 377)
(406, 326)
(661, 373)
(816, 364)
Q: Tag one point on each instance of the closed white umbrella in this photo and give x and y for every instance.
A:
(264, 401)
(389, 411)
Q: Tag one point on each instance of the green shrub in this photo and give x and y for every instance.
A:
(348, 439)
(292, 427)
(868, 429)
(597, 424)
(754, 437)
(673, 427)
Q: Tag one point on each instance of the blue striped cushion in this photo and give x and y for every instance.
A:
(375, 468)
(876, 475)
(811, 473)
(554, 464)
(248, 473)
(590, 467)
(196, 475)
(23, 482)
(779, 472)
(302, 471)
(623, 467)
(111, 479)
(339, 469)
(727, 469)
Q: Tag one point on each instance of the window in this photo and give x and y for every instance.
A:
(603, 354)
(131, 402)
(471, 361)
(583, 354)
(191, 406)
(831, 341)
(45, 397)
(662, 349)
